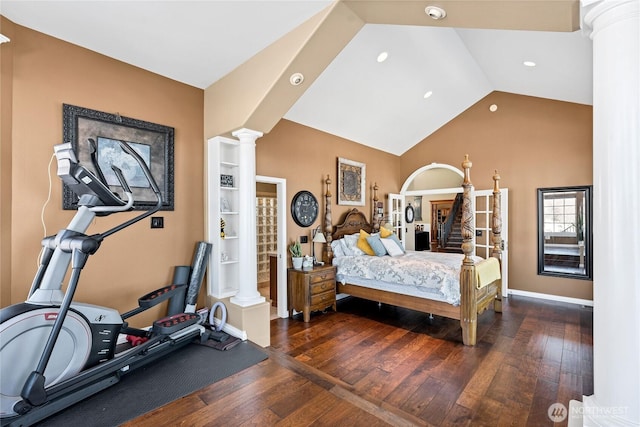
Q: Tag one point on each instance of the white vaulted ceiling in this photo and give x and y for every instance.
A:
(381, 105)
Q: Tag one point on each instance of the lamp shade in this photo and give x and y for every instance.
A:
(319, 238)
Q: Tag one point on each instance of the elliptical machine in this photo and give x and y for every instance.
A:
(55, 352)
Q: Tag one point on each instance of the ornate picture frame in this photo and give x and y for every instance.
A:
(351, 182)
(154, 142)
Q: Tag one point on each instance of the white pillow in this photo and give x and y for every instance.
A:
(345, 247)
(395, 239)
(336, 247)
(350, 245)
(392, 247)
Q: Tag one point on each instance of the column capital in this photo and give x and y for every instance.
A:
(598, 14)
(247, 135)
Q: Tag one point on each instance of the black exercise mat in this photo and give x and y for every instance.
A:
(177, 375)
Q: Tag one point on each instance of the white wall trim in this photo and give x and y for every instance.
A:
(550, 297)
(231, 330)
(417, 172)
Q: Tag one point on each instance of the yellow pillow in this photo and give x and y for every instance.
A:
(363, 244)
(385, 233)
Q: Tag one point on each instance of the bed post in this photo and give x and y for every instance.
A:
(327, 252)
(468, 278)
(374, 215)
(496, 236)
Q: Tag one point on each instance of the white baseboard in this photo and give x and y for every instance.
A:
(550, 297)
(231, 330)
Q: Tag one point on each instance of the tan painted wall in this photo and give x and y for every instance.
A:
(304, 156)
(48, 72)
(533, 143)
(6, 99)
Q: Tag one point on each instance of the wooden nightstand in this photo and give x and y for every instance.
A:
(312, 290)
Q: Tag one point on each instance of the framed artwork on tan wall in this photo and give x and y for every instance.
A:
(351, 182)
(94, 135)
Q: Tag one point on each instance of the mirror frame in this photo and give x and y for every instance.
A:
(587, 233)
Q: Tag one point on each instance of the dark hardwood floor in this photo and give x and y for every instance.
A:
(370, 365)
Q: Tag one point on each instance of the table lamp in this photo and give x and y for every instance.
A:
(318, 237)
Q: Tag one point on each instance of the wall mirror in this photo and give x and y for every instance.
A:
(564, 232)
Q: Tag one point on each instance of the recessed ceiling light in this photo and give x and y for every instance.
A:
(296, 79)
(435, 12)
(428, 94)
(529, 64)
(493, 108)
(382, 57)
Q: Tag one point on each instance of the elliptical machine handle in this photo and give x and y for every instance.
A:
(121, 178)
(145, 169)
(93, 149)
(154, 186)
(127, 192)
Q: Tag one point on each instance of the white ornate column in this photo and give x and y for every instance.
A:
(614, 27)
(248, 276)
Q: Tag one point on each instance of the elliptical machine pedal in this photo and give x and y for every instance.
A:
(172, 324)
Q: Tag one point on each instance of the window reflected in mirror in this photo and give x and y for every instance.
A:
(564, 232)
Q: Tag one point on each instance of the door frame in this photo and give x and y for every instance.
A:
(504, 215)
(281, 223)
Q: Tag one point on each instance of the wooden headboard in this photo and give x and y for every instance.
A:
(354, 221)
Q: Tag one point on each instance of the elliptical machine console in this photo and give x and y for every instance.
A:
(56, 352)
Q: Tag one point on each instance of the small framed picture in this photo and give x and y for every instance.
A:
(226, 180)
(224, 205)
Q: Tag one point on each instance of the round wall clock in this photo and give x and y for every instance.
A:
(304, 208)
(409, 213)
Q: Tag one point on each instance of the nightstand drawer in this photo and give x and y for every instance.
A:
(321, 276)
(327, 298)
(318, 288)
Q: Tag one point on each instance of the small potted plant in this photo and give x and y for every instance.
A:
(296, 255)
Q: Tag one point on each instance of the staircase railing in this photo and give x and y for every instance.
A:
(448, 224)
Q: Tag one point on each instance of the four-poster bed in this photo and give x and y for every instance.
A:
(478, 280)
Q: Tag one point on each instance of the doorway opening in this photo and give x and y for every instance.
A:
(430, 184)
(271, 231)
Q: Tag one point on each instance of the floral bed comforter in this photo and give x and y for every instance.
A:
(421, 273)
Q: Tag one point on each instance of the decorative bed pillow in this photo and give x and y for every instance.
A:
(363, 244)
(376, 244)
(384, 233)
(336, 247)
(350, 245)
(392, 247)
(395, 239)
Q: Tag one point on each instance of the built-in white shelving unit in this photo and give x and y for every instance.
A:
(223, 204)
